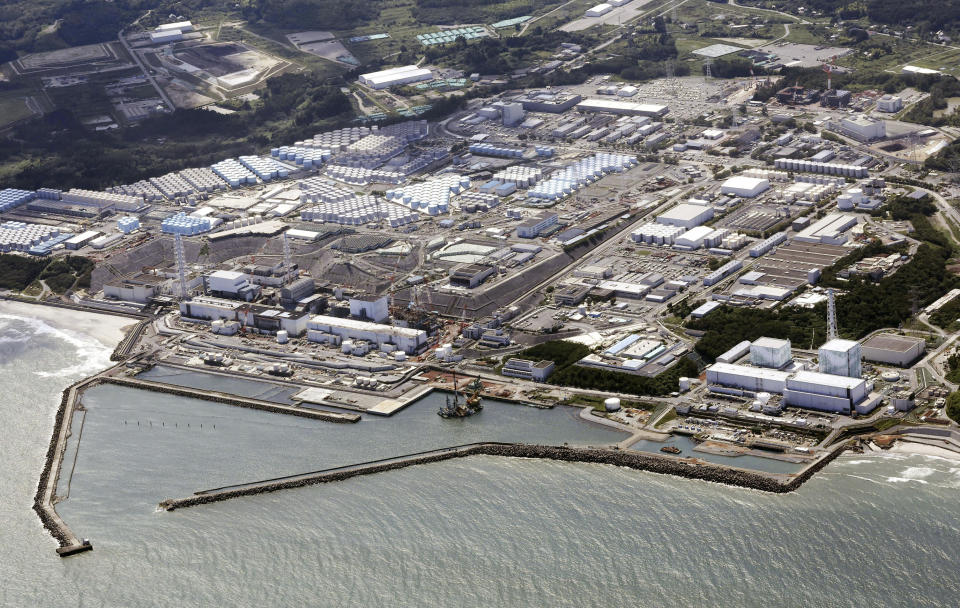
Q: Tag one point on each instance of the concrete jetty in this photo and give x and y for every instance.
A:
(227, 399)
(46, 496)
(655, 463)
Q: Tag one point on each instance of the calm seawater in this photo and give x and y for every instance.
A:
(876, 530)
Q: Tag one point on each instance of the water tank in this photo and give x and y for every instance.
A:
(612, 404)
(283, 336)
(684, 383)
(890, 376)
(763, 398)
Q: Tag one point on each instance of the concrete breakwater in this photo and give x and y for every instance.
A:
(43, 500)
(226, 399)
(653, 463)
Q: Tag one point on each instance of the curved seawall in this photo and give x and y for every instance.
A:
(653, 463)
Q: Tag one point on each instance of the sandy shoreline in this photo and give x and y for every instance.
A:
(909, 447)
(107, 329)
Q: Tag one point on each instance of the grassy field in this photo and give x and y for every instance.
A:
(13, 109)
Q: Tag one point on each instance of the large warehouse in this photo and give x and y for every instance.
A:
(615, 106)
(893, 350)
(385, 79)
(686, 215)
(747, 187)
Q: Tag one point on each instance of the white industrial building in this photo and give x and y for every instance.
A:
(534, 226)
(410, 341)
(512, 113)
(695, 238)
(755, 379)
(686, 215)
(804, 389)
(829, 229)
(825, 392)
(889, 103)
(370, 308)
(770, 352)
(864, 128)
(231, 284)
(746, 187)
(616, 106)
(840, 358)
(528, 370)
(893, 349)
(599, 10)
(385, 79)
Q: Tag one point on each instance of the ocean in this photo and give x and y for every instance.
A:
(878, 529)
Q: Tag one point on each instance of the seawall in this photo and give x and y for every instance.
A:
(653, 463)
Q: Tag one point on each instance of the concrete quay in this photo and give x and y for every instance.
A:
(218, 397)
(655, 463)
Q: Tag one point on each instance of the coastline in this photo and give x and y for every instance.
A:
(107, 329)
(911, 447)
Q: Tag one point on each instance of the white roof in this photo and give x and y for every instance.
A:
(378, 328)
(770, 343)
(684, 211)
(827, 379)
(840, 345)
(229, 275)
(180, 25)
(696, 234)
(84, 236)
(392, 74)
(751, 372)
(622, 106)
(742, 182)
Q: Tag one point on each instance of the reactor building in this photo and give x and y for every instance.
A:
(840, 358)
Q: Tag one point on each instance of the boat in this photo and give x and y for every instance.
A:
(671, 449)
(461, 409)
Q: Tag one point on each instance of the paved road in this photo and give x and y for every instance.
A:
(146, 71)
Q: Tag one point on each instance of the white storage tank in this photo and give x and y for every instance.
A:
(612, 404)
(283, 336)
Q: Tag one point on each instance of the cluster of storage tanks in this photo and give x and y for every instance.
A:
(305, 157)
(335, 141)
(432, 196)
(792, 164)
(523, 177)
(128, 224)
(265, 168)
(359, 210)
(12, 197)
(316, 190)
(806, 191)
(359, 176)
(234, 173)
(580, 174)
(203, 179)
(20, 236)
(767, 174)
(545, 151)
(494, 150)
(473, 202)
(184, 224)
(657, 234)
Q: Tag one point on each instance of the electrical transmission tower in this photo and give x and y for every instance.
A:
(181, 264)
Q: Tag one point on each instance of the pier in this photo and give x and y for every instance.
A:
(654, 463)
(218, 397)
